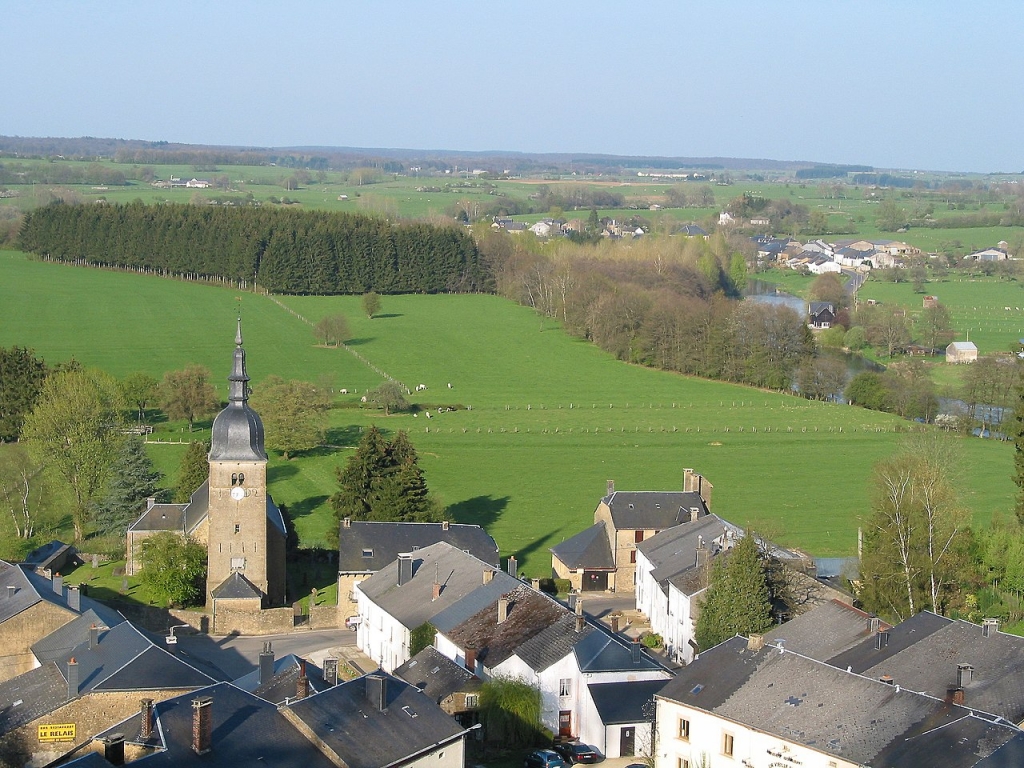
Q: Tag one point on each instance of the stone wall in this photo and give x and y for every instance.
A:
(244, 617)
(20, 631)
(325, 617)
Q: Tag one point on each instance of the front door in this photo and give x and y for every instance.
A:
(565, 723)
(627, 741)
(595, 581)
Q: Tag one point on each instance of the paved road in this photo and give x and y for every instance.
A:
(230, 657)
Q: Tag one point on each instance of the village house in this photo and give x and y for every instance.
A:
(962, 352)
(821, 314)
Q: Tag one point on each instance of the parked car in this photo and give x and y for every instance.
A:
(544, 758)
(574, 752)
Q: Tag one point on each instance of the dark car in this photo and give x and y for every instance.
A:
(574, 752)
(544, 758)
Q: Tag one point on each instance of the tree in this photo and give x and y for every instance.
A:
(332, 329)
(935, 326)
(737, 599)
(867, 389)
(22, 490)
(174, 567)
(188, 394)
(738, 272)
(76, 428)
(888, 329)
(510, 710)
(139, 390)
(421, 637)
(890, 216)
(371, 304)
(829, 287)
(355, 496)
(133, 479)
(819, 378)
(193, 471)
(21, 378)
(390, 397)
(855, 338)
(293, 414)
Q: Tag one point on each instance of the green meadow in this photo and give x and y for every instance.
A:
(533, 425)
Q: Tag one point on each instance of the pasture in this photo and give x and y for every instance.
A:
(542, 420)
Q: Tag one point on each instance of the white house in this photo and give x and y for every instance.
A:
(744, 703)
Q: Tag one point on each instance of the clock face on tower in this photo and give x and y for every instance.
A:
(237, 493)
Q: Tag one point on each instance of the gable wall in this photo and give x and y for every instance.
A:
(20, 632)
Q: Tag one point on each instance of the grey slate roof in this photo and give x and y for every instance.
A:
(529, 614)
(59, 643)
(437, 675)
(246, 731)
(50, 555)
(588, 549)
(864, 655)
(459, 573)
(652, 509)
(345, 719)
(673, 552)
(824, 631)
(31, 695)
(236, 586)
(599, 651)
(625, 702)
(29, 588)
(161, 517)
(366, 547)
(836, 712)
(283, 685)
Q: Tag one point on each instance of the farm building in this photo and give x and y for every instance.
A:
(961, 352)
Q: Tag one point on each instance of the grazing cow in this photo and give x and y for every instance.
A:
(362, 399)
(344, 391)
(449, 385)
(428, 414)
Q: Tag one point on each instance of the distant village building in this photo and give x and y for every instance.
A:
(961, 352)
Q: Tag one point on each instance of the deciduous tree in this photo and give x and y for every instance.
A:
(188, 394)
(371, 304)
(139, 390)
(193, 471)
(174, 567)
(293, 414)
(332, 329)
(22, 490)
(390, 397)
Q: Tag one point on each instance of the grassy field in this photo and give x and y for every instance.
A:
(543, 420)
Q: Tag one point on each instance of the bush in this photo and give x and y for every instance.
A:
(555, 586)
(651, 640)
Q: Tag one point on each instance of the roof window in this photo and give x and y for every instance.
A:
(367, 553)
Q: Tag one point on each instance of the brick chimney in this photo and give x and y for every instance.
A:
(146, 719)
(75, 599)
(513, 565)
(488, 575)
(404, 568)
(302, 684)
(377, 691)
(502, 609)
(202, 725)
(72, 678)
(471, 658)
(614, 619)
(435, 590)
(267, 663)
(94, 637)
(581, 622)
(959, 697)
(887, 679)
(113, 748)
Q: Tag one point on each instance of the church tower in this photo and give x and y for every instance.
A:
(246, 532)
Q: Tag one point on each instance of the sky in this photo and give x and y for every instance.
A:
(907, 84)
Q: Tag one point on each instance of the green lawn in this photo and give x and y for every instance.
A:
(547, 419)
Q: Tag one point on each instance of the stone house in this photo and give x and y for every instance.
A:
(962, 352)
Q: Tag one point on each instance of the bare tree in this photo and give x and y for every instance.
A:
(21, 487)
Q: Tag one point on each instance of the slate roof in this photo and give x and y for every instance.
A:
(385, 541)
(283, 684)
(31, 695)
(348, 723)
(30, 588)
(553, 643)
(929, 666)
(588, 549)
(817, 307)
(864, 655)
(246, 731)
(598, 651)
(460, 575)
(635, 510)
(437, 675)
(824, 631)
(830, 710)
(529, 614)
(673, 552)
(236, 586)
(59, 643)
(625, 702)
(161, 517)
(44, 556)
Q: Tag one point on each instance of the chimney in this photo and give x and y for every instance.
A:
(346, 522)
(113, 748)
(435, 591)
(11, 590)
(444, 525)
(377, 691)
(471, 658)
(72, 678)
(58, 584)
(535, 583)
(302, 684)
(887, 679)
(75, 599)
(755, 642)
(488, 575)
(873, 623)
(694, 514)
(634, 649)
(614, 619)
(146, 717)
(573, 598)
(94, 637)
(331, 670)
(687, 480)
(150, 502)
(581, 622)
(702, 552)
(959, 697)
(202, 725)
(404, 568)
(267, 663)
(513, 565)
(881, 640)
(989, 627)
(964, 675)
(611, 487)
(502, 609)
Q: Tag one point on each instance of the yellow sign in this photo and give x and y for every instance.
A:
(61, 732)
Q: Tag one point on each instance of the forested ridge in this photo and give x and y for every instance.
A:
(286, 251)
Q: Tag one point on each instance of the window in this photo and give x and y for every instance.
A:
(727, 744)
(237, 527)
(241, 478)
(471, 701)
(638, 536)
(682, 762)
(238, 563)
(367, 553)
(684, 729)
(237, 478)
(632, 555)
(565, 687)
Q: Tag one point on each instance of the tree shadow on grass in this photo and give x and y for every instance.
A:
(281, 472)
(335, 439)
(305, 507)
(358, 342)
(386, 315)
(479, 510)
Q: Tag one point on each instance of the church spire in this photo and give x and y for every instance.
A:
(238, 388)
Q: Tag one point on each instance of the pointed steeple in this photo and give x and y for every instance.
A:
(238, 390)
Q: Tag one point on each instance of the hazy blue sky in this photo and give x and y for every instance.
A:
(923, 84)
